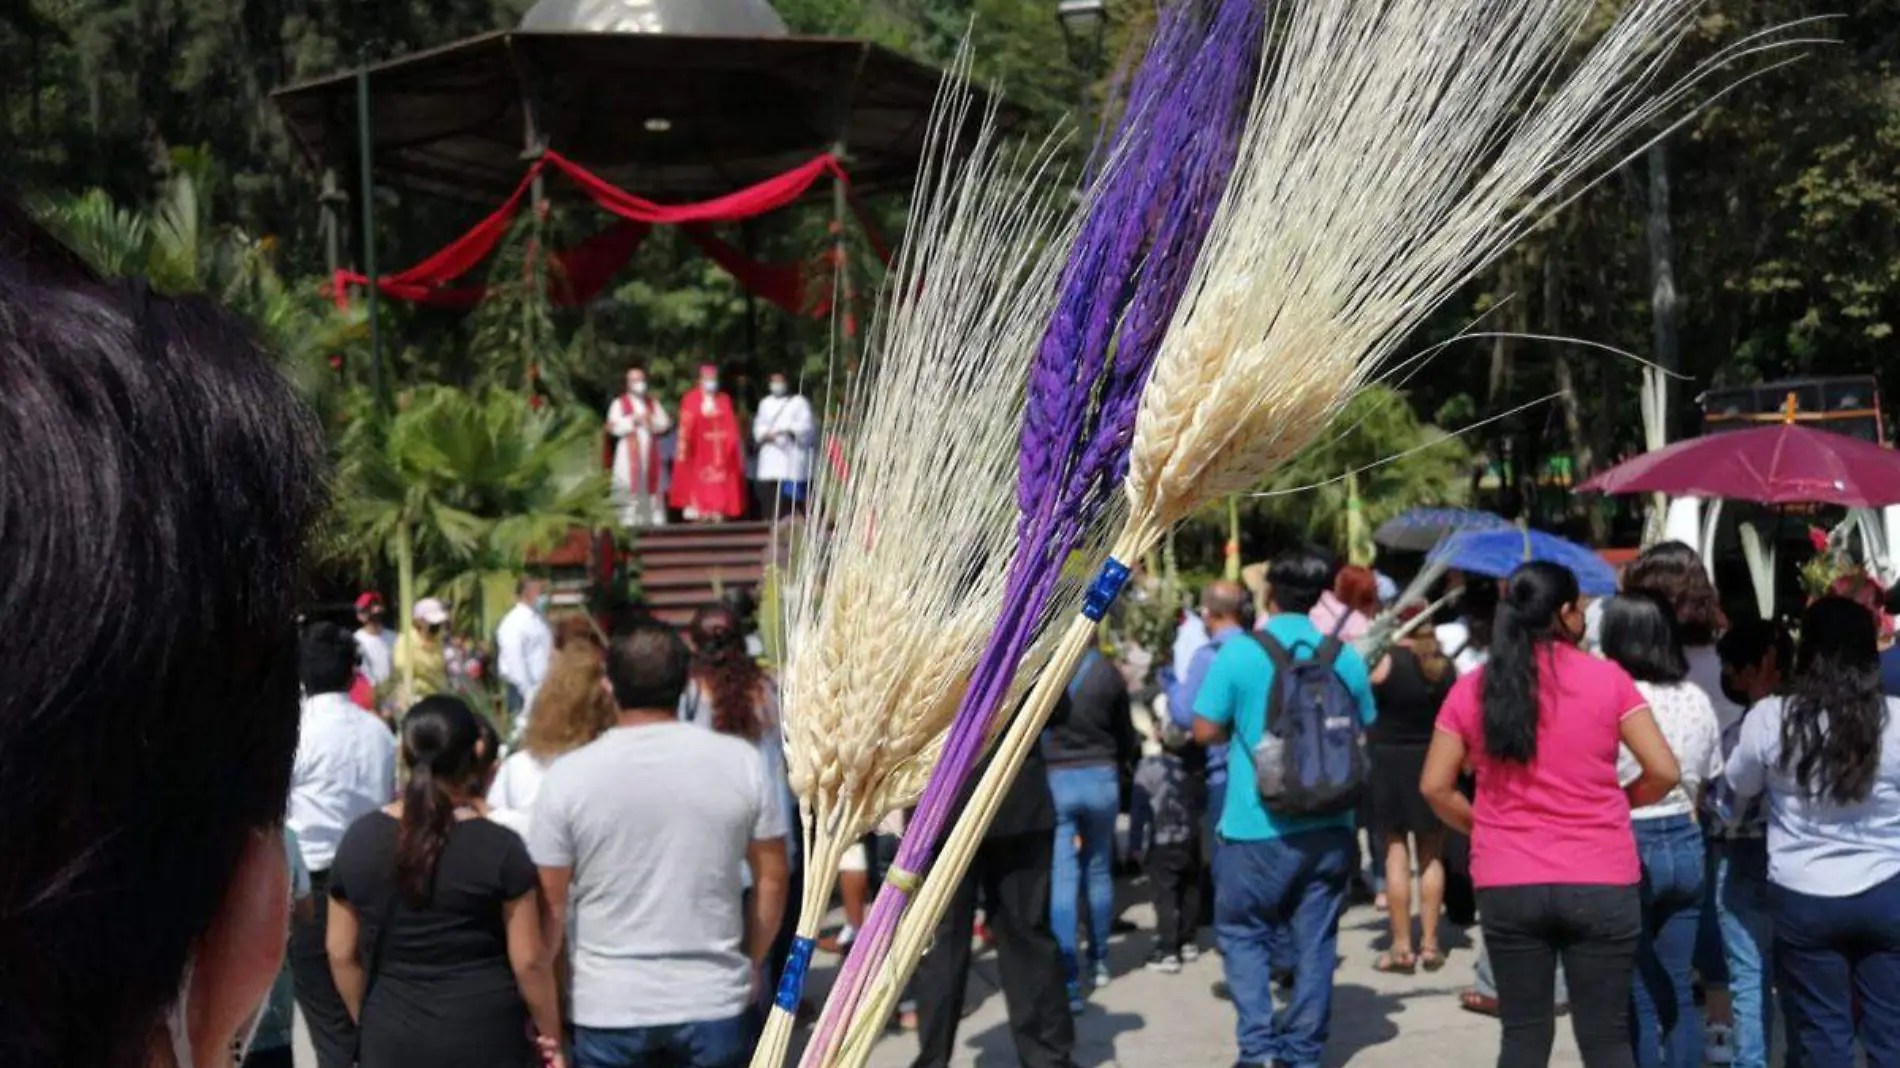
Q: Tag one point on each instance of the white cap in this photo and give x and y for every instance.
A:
(431, 611)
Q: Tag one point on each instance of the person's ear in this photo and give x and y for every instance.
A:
(239, 955)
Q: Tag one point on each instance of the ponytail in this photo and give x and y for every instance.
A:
(1527, 619)
(439, 737)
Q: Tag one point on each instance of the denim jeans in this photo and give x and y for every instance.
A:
(706, 1044)
(1087, 800)
(1282, 896)
(1593, 931)
(1748, 939)
(1665, 1028)
(1828, 951)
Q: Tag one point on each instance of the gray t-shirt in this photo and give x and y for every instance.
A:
(655, 821)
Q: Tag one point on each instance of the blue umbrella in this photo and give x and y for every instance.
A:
(1499, 552)
(1421, 529)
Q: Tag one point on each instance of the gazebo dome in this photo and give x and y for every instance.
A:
(711, 18)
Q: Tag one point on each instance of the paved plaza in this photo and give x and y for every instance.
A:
(1143, 1019)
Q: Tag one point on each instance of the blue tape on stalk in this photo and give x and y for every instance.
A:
(792, 983)
(1106, 587)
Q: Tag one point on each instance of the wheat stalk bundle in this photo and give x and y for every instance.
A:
(1394, 149)
(1149, 208)
(895, 590)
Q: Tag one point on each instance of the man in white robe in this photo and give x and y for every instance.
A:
(783, 430)
(637, 422)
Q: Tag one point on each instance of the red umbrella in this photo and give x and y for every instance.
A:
(1780, 464)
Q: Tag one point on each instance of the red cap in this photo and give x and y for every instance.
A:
(707, 370)
(371, 599)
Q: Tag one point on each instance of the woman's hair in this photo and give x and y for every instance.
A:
(1834, 710)
(1478, 604)
(571, 709)
(1639, 633)
(439, 736)
(728, 674)
(1674, 572)
(1422, 640)
(158, 483)
(576, 627)
(1527, 620)
(1358, 589)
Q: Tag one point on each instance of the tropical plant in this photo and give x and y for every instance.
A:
(452, 486)
(1375, 460)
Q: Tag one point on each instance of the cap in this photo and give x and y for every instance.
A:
(369, 599)
(707, 370)
(431, 611)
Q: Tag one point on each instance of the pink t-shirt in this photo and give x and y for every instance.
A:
(1562, 818)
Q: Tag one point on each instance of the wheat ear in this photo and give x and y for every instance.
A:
(1396, 147)
(901, 577)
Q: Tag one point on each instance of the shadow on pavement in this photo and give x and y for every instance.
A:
(1364, 1017)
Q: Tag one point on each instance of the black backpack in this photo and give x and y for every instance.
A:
(1311, 758)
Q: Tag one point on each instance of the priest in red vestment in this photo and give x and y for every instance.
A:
(708, 464)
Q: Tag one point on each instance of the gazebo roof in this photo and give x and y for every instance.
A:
(668, 116)
(724, 18)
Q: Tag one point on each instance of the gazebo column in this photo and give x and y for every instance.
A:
(841, 265)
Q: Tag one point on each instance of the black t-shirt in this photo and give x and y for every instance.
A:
(444, 992)
(1408, 701)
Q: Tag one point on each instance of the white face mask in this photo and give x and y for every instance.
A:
(638, 387)
(778, 389)
(709, 385)
(178, 1025)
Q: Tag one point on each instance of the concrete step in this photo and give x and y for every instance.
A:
(744, 574)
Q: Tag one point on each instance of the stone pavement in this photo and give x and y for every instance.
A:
(1145, 1020)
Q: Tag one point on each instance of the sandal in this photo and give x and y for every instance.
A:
(1472, 1001)
(1394, 963)
(1431, 959)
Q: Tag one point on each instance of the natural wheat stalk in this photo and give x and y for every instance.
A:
(899, 577)
(1395, 148)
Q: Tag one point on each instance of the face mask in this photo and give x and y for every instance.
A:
(778, 389)
(639, 389)
(178, 1026)
(709, 385)
(541, 603)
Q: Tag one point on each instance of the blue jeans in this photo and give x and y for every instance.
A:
(1283, 892)
(706, 1044)
(1748, 939)
(1087, 800)
(1828, 950)
(1665, 1028)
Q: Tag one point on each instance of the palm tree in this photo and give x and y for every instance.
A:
(455, 485)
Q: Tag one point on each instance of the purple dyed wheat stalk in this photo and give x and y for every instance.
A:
(1125, 274)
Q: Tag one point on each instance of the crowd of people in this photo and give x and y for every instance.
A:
(1651, 795)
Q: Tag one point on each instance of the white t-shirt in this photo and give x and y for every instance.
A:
(1705, 670)
(378, 652)
(654, 821)
(1688, 724)
(1815, 846)
(523, 646)
(517, 784)
(345, 768)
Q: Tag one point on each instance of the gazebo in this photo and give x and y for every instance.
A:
(711, 108)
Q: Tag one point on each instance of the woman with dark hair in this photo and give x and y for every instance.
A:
(1827, 753)
(435, 927)
(1675, 573)
(1639, 634)
(159, 480)
(1408, 686)
(1551, 851)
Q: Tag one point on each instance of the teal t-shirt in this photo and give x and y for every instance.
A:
(1234, 696)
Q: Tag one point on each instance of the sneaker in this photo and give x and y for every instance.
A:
(1102, 975)
(1221, 990)
(1076, 1004)
(1190, 953)
(1719, 1046)
(1165, 963)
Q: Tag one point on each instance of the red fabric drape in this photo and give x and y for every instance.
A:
(581, 272)
(781, 283)
(766, 196)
